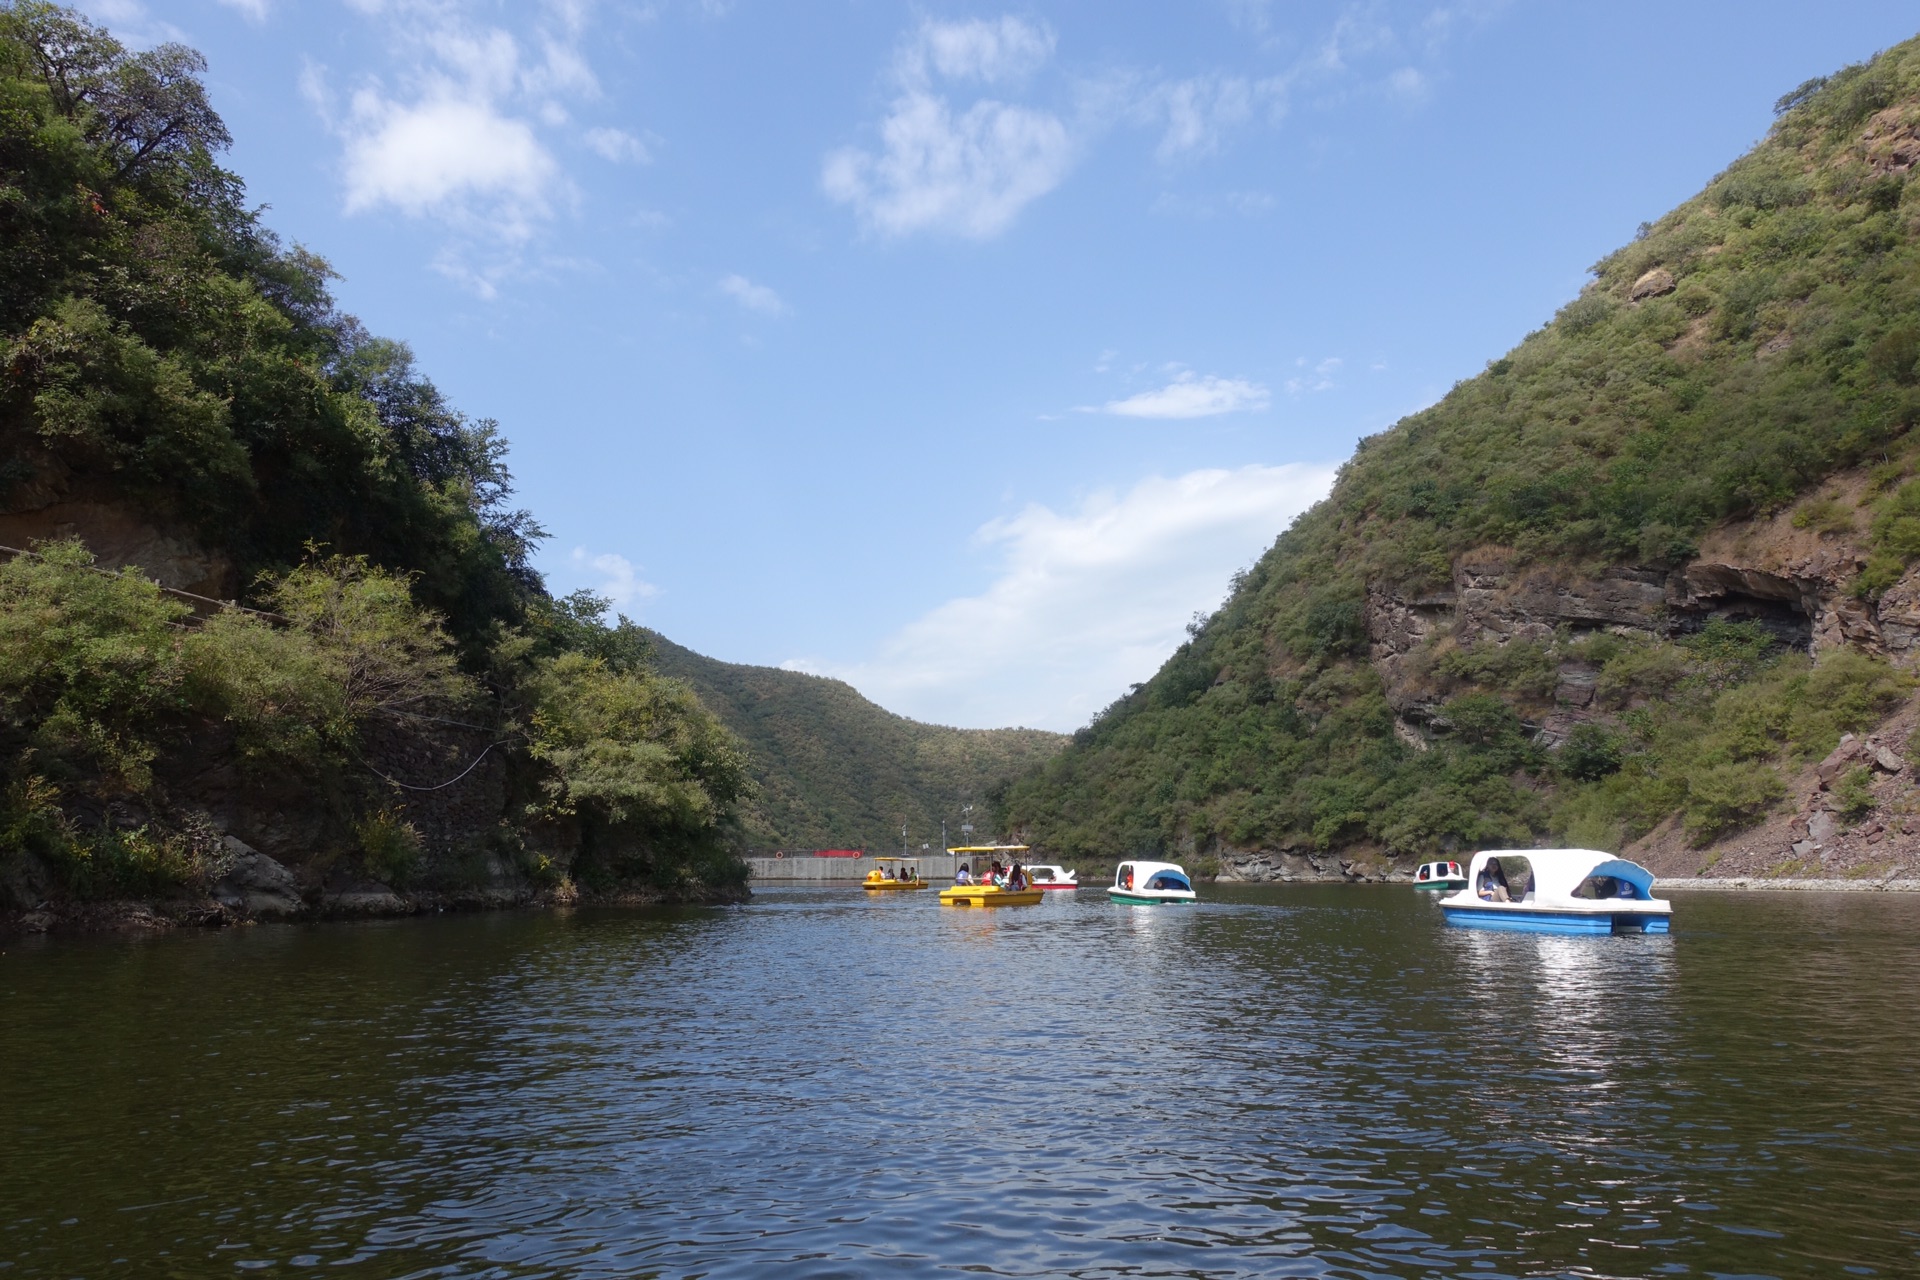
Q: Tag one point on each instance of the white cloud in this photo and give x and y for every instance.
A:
(1191, 396)
(456, 128)
(251, 10)
(1408, 83)
(620, 579)
(618, 145)
(754, 297)
(965, 172)
(131, 23)
(1198, 112)
(1317, 378)
(1086, 603)
(448, 155)
(1006, 49)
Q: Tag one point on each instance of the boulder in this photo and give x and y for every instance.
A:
(1820, 827)
(1885, 759)
(1651, 285)
(1838, 759)
(256, 884)
(368, 899)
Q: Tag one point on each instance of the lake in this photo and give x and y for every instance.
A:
(1281, 1081)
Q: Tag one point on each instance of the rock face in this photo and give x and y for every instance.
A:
(257, 885)
(1797, 583)
(1651, 285)
(1891, 141)
(117, 537)
(1286, 866)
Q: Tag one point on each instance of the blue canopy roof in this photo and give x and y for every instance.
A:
(1632, 872)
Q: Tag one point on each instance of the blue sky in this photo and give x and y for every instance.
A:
(965, 351)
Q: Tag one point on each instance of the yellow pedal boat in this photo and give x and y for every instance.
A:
(988, 895)
(906, 877)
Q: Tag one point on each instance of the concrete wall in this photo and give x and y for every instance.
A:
(811, 870)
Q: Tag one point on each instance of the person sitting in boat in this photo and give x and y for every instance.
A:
(1493, 884)
(998, 874)
(1126, 878)
(1017, 877)
(962, 874)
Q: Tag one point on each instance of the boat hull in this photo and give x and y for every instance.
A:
(987, 896)
(1149, 898)
(891, 886)
(1047, 887)
(1440, 886)
(1523, 920)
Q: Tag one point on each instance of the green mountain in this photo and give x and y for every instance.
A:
(1627, 580)
(835, 771)
(388, 699)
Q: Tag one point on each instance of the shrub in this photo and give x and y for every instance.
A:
(390, 847)
(1855, 795)
(1824, 515)
(1590, 753)
(1722, 797)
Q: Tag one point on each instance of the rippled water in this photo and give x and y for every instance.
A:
(1309, 1081)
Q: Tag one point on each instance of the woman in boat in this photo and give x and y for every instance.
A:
(962, 875)
(1017, 877)
(1493, 883)
(997, 875)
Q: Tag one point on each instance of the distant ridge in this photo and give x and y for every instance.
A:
(836, 771)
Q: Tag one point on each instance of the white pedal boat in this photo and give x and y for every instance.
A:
(1150, 884)
(1440, 875)
(1557, 891)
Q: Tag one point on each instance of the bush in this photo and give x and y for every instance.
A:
(1725, 796)
(1590, 753)
(390, 847)
(1855, 795)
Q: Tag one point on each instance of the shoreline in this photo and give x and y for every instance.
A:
(133, 915)
(1765, 884)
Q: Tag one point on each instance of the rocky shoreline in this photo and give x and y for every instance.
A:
(257, 889)
(1299, 868)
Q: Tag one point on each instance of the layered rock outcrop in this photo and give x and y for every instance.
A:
(1797, 583)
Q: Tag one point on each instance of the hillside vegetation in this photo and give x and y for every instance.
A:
(835, 771)
(405, 703)
(1755, 341)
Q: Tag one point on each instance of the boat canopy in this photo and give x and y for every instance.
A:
(1632, 872)
(1144, 873)
(1558, 872)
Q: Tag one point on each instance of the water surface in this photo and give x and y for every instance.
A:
(1300, 1081)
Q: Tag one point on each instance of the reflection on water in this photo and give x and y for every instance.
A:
(1314, 1081)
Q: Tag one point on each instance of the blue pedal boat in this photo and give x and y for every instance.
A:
(1557, 891)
